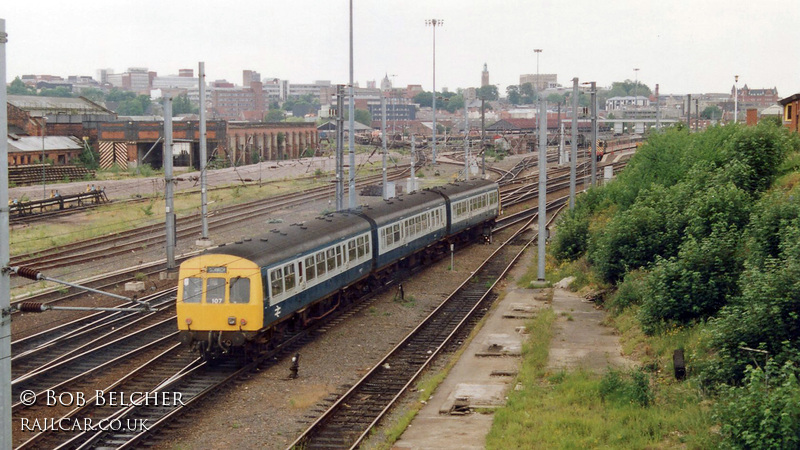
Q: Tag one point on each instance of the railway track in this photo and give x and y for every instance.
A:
(349, 420)
(90, 250)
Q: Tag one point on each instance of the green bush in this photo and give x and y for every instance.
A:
(632, 291)
(765, 316)
(696, 283)
(764, 413)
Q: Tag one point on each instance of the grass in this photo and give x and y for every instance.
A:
(580, 409)
(115, 218)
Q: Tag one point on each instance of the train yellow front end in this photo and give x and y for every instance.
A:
(219, 302)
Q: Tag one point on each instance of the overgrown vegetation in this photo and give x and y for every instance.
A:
(702, 231)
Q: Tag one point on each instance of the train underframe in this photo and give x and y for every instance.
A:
(250, 345)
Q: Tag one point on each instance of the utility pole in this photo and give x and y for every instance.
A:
(658, 110)
(466, 143)
(542, 237)
(594, 133)
(44, 175)
(689, 112)
(352, 137)
(5, 274)
(339, 147)
(203, 157)
(573, 143)
(413, 158)
(168, 191)
(383, 132)
(696, 115)
(434, 23)
(483, 138)
(736, 99)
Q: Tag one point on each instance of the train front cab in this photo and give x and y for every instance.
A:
(219, 301)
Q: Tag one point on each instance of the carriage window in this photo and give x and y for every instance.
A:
(389, 237)
(288, 277)
(351, 250)
(215, 290)
(396, 229)
(339, 256)
(366, 245)
(331, 259)
(360, 246)
(192, 290)
(321, 263)
(276, 281)
(311, 272)
(240, 290)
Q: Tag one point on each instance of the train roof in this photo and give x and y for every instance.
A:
(462, 189)
(402, 206)
(280, 242)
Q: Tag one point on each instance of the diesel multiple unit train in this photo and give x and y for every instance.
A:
(242, 297)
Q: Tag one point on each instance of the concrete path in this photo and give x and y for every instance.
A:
(483, 375)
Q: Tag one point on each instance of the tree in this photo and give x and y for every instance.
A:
(556, 98)
(182, 105)
(424, 99)
(528, 95)
(18, 87)
(275, 115)
(513, 95)
(454, 103)
(95, 95)
(60, 91)
(488, 92)
(711, 113)
(628, 88)
(363, 116)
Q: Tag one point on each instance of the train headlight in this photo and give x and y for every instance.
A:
(231, 320)
(188, 321)
(243, 322)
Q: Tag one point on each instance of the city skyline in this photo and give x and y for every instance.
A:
(303, 42)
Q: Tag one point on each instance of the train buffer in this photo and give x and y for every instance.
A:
(56, 202)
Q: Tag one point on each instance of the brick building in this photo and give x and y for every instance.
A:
(229, 102)
(248, 143)
(760, 98)
(791, 112)
(128, 143)
(55, 116)
(61, 150)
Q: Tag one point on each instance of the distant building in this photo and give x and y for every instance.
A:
(230, 102)
(544, 80)
(756, 97)
(615, 103)
(485, 76)
(137, 79)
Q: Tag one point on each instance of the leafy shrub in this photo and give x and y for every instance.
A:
(696, 283)
(762, 149)
(632, 291)
(764, 413)
(765, 316)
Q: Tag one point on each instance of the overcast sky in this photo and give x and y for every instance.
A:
(687, 46)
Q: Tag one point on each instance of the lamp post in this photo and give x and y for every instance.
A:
(636, 88)
(434, 23)
(537, 51)
(593, 84)
(351, 125)
(735, 98)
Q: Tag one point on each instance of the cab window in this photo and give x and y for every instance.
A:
(192, 289)
(215, 290)
(240, 290)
